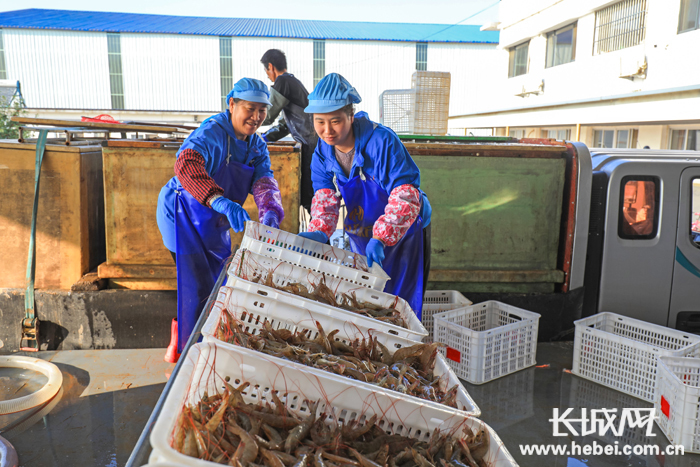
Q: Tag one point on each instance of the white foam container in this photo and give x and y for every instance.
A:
(315, 256)
(678, 402)
(253, 309)
(487, 340)
(254, 264)
(437, 301)
(206, 365)
(622, 353)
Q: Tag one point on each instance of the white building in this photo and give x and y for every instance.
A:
(608, 73)
(177, 69)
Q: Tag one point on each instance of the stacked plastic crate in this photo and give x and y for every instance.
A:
(268, 260)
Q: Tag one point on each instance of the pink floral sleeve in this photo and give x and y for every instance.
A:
(399, 214)
(325, 208)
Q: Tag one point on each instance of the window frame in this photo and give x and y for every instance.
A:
(116, 71)
(574, 27)
(680, 17)
(226, 81)
(686, 136)
(511, 59)
(621, 203)
(632, 137)
(3, 63)
(628, 38)
(319, 60)
(421, 53)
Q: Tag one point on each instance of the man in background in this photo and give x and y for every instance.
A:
(290, 97)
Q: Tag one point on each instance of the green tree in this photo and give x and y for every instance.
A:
(8, 128)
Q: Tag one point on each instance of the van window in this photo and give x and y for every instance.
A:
(639, 207)
(695, 213)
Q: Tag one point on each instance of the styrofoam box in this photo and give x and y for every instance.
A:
(487, 340)
(253, 310)
(621, 352)
(437, 301)
(206, 365)
(678, 402)
(308, 254)
(254, 264)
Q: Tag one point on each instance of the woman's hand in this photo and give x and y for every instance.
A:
(234, 212)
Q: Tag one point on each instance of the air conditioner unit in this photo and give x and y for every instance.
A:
(633, 66)
(530, 87)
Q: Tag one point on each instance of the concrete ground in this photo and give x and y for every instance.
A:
(108, 396)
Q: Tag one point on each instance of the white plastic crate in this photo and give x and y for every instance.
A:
(437, 301)
(206, 365)
(315, 256)
(253, 309)
(487, 340)
(397, 110)
(621, 352)
(253, 265)
(678, 401)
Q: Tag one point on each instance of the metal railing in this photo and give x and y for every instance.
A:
(620, 25)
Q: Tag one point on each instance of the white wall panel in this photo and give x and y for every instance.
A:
(171, 72)
(473, 67)
(247, 52)
(59, 69)
(372, 67)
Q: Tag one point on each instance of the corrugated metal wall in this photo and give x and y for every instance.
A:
(59, 69)
(170, 72)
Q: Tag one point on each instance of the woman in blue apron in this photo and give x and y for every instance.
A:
(366, 165)
(217, 166)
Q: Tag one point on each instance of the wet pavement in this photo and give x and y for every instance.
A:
(97, 417)
(519, 406)
(108, 395)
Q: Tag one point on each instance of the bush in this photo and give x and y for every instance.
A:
(8, 128)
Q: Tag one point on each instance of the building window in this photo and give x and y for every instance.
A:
(421, 56)
(684, 139)
(639, 201)
(516, 133)
(560, 134)
(689, 18)
(561, 46)
(620, 25)
(517, 61)
(319, 61)
(226, 68)
(116, 81)
(3, 68)
(615, 138)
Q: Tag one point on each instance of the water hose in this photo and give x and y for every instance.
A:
(49, 390)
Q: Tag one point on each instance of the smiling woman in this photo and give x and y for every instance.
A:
(217, 166)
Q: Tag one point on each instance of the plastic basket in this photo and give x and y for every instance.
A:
(487, 340)
(397, 110)
(253, 310)
(437, 301)
(206, 364)
(315, 256)
(678, 402)
(432, 102)
(247, 265)
(621, 352)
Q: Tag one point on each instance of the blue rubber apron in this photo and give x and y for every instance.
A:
(203, 243)
(365, 201)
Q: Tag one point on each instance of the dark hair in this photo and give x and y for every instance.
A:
(349, 110)
(276, 57)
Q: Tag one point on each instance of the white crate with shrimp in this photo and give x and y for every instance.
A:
(622, 353)
(384, 312)
(487, 340)
(249, 308)
(437, 301)
(678, 401)
(218, 394)
(314, 256)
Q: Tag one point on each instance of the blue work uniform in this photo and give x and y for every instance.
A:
(198, 234)
(381, 163)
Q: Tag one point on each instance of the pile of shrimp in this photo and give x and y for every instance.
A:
(409, 370)
(322, 293)
(225, 429)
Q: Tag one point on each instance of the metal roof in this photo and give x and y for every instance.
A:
(246, 27)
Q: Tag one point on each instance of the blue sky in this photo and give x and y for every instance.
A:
(400, 11)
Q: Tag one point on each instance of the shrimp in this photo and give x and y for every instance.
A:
(247, 449)
(300, 431)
